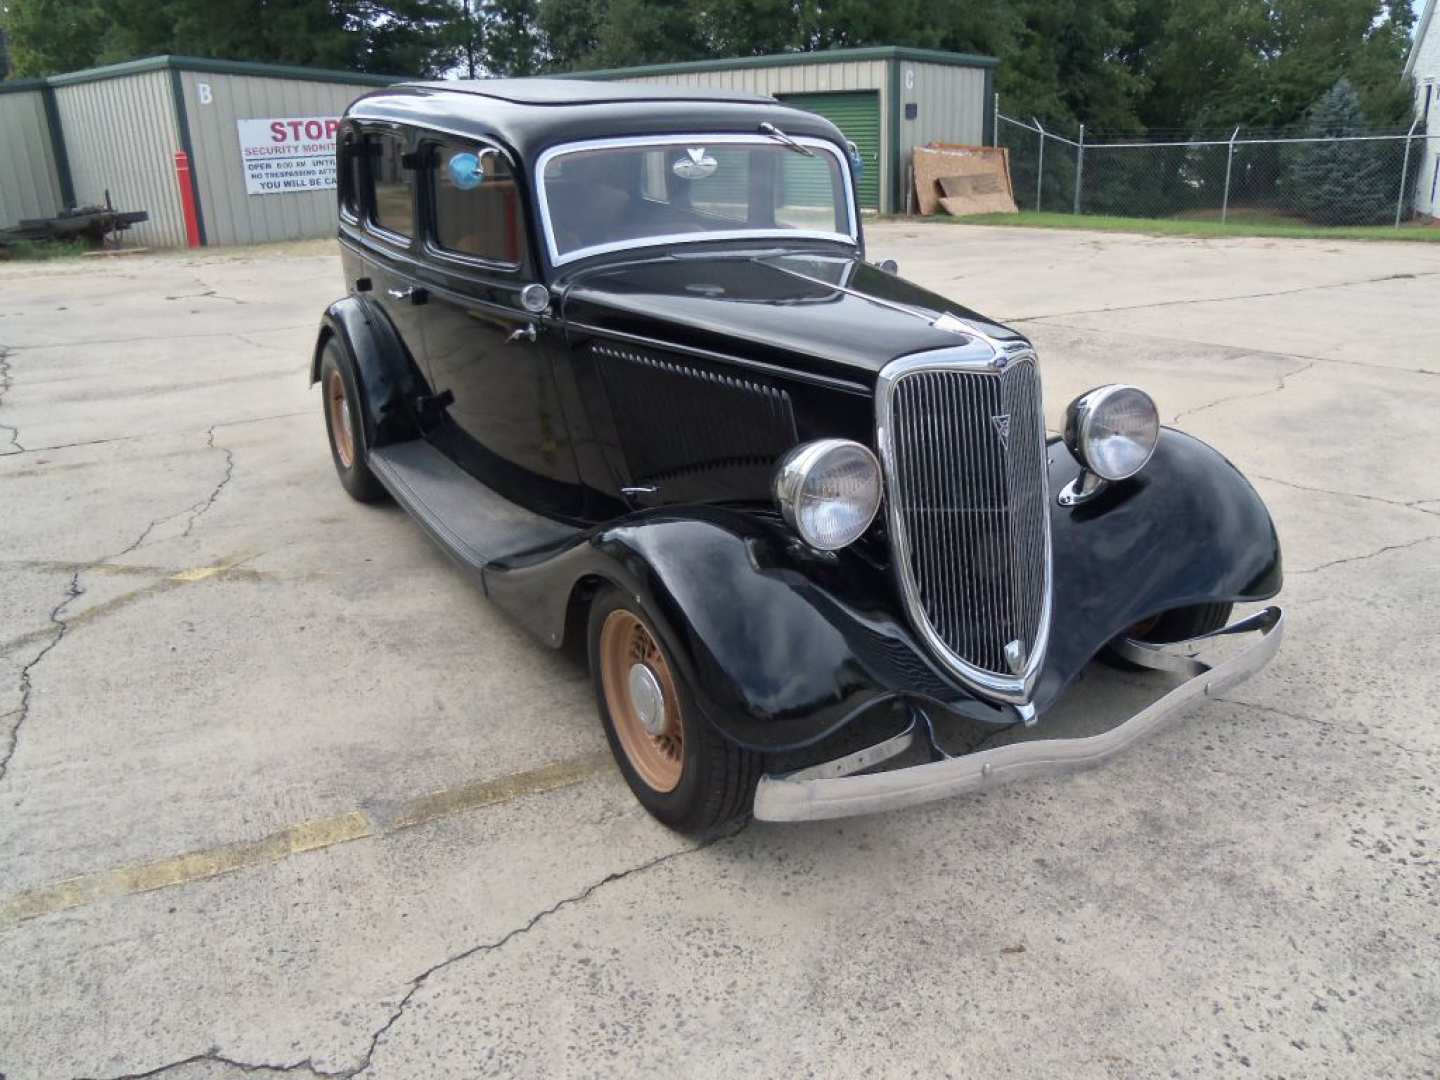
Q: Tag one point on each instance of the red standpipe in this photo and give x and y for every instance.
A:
(187, 199)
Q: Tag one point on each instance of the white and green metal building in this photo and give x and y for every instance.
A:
(69, 139)
(886, 99)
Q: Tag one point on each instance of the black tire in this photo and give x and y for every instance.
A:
(1177, 624)
(716, 778)
(347, 442)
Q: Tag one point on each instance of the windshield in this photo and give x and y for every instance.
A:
(622, 193)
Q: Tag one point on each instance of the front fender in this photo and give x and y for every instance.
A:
(389, 379)
(780, 645)
(1189, 529)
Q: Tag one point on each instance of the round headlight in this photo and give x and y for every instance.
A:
(828, 491)
(1112, 430)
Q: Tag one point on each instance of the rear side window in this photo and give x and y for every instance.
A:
(477, 205)
(393, 203)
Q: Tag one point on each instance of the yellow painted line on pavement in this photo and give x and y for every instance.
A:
(292, 840)
(172, 580)
(200, 573)
(502, 789)
(195, 866)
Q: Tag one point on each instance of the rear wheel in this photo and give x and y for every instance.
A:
(343, 426)
(680, 769)
(1177, 624)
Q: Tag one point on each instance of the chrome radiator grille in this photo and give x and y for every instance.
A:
(965, 451)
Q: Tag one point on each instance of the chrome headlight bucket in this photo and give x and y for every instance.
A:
(1112, 431)
(828, 491)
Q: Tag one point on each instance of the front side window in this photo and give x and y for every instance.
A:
(393, 203)
(607, 196)
(476, 204)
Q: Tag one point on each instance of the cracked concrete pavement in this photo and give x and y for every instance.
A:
(204, 643)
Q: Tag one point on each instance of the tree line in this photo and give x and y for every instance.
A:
(1123, 67)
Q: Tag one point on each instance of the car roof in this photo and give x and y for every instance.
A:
(584, 91)
(531, 115)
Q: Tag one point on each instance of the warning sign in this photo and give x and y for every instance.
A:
(288, 154)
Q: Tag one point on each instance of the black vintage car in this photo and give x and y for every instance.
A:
(618, 349)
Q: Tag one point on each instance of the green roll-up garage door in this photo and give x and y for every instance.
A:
(857, 114)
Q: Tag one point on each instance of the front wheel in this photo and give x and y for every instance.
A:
(678, 766)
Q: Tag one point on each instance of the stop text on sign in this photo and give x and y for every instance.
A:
(287, 154)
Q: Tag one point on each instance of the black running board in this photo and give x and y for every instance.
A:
(470, 522)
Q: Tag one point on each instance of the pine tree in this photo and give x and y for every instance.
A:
(1342, 183)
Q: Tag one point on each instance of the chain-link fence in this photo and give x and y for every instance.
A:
(1274, 176)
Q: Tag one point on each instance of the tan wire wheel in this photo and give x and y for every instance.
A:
(342, 433)
(641, 699)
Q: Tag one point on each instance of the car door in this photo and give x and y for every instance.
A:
(492, 362)
(390, 214)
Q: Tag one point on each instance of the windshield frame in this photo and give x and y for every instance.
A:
(852, 238)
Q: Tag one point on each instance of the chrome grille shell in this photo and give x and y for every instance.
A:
(959, 500)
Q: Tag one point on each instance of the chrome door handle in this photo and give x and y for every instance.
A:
(400, 294)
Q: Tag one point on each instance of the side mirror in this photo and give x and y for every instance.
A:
(888, 266)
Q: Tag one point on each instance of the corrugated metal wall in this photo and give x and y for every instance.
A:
(29, 183)
(121, 134)
(231, 216)
(950, 105)
(798, 79)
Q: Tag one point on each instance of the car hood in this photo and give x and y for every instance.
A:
(840, 317)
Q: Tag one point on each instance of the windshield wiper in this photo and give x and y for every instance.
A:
(775, 133)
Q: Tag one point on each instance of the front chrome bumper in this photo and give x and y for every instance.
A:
(827, 791)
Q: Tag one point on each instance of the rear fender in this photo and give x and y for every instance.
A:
(388, 377)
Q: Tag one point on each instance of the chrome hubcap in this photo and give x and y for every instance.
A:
(648, 699)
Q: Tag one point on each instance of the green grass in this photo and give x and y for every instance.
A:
(1241, 223)
(42, 250)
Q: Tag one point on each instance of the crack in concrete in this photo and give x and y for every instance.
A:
(208, 294)
(148, 337)
(12, 736)
(578, 898)
(308, 1064)
(203, 506)
(214, 1057)
(1281, 382)
(1233, 349)
(1368, 555)
(1411, 504)
(1227, 299)
(1329, 725)
(158, 434)
(74, 589)
(6, 381)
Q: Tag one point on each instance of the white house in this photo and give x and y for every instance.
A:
(1424, 64)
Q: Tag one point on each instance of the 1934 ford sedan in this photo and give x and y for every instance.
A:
(618, 350)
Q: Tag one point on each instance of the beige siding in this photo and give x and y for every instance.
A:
(121, 135)
(231, 216)
(29, 183)
(799, 79)
(950, 106)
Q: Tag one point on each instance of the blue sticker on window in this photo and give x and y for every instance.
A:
(465, 171)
